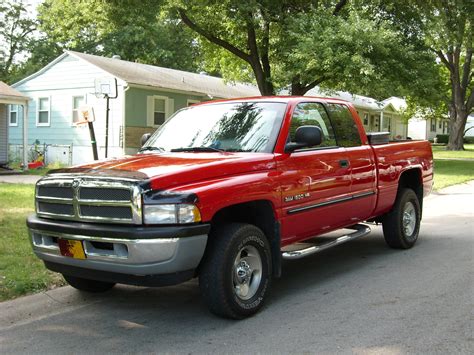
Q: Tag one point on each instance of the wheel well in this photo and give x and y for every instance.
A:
(259, 213)
(412, 179)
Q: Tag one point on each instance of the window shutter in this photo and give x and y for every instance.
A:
(170, 109)
(150, 106)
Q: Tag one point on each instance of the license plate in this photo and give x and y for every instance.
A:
(71, 248)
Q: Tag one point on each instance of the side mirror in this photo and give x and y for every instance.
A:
(145, 138)
(305, 136)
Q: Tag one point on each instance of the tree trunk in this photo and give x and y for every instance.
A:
(457, 124)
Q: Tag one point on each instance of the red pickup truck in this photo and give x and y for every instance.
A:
(224, 191)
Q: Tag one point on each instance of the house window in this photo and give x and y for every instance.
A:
(366, 119)
(159, 112)
(159, 109)
(77, 102)
(440, 124)
(445, 127)
(43, 114)
(13, 115)
(432, 125)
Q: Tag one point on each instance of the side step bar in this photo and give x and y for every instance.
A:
(360, 230)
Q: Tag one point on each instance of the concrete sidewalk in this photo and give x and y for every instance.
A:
(20, 179)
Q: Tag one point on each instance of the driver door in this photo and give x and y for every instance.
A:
(316, 181)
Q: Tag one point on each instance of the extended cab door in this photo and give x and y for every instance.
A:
(315, 181)
(360, 158)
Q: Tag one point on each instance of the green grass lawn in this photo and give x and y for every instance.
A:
(451, 172)
(21, 272)
(453, 167)
(440, 152)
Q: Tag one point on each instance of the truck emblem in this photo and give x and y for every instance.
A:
(297, 197)
(76, 183)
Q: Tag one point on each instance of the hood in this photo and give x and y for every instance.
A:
(172, 169)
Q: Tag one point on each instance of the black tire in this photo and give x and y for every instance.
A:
(87, 285)
(402, 232)
(231, 283)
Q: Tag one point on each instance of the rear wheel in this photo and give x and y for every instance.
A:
(88, 285)
(402, 225)
(235, 274)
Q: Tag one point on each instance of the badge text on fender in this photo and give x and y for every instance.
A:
(296, 197)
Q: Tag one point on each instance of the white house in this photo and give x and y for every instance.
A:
(420, 128)
(146, 96)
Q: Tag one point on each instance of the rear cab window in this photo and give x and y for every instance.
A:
(345, 127)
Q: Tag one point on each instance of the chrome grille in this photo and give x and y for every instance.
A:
(89, 200)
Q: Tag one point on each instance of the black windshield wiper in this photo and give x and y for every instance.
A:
(151, 148)
(197, 149)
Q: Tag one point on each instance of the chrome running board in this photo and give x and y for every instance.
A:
(359, 231)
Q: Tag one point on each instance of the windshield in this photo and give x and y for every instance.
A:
(230, 127)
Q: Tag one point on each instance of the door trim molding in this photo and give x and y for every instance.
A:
(331, 202)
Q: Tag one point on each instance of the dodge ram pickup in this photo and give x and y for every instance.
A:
(226, 190)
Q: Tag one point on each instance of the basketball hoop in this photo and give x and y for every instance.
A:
(105, 88)
(86, 115)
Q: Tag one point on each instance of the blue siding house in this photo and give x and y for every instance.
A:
(146, 97)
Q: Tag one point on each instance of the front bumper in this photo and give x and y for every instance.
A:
(125, 254)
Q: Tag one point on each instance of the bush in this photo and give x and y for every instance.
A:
(442, 138)
(468, 140)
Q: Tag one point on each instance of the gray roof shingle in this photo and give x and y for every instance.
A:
(150, 75)
(7, 92)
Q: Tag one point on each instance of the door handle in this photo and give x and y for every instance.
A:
(344, 163)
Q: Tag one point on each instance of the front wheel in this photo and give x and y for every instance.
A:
(235, 273)
(402, 224)
(88, 285)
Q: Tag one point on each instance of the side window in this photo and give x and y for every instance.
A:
(347, 134)
(77, 102)
(43, 112)
(314, 114)
(13, 121)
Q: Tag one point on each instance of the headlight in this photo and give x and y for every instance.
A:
(171, 214)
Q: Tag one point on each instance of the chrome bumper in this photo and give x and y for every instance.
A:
(125, 256)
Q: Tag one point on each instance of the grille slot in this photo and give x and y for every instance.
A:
(55, 191)
(56, 208)
(120, 212)
(105, 194)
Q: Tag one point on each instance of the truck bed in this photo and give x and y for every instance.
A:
(396, 157)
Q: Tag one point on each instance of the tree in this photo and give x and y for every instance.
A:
(449, 33)
(16, 29)
(136, 30)
(445, 27)
(248, 30)
(298, 45)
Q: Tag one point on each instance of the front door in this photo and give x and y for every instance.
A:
(315, 181)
